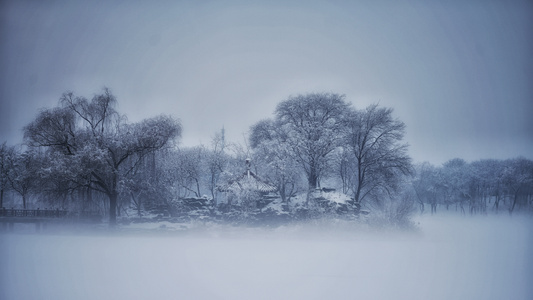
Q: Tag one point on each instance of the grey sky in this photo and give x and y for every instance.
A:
(458, 74)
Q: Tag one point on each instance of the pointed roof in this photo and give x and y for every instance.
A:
(248, 181)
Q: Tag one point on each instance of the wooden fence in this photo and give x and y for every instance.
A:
(32, 213)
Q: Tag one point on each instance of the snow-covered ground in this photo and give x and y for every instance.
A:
(450, 257)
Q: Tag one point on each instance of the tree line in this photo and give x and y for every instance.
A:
(84, 155)
(477, 187)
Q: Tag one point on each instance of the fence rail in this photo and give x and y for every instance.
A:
(32, 213)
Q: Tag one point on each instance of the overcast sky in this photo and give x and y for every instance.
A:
(460, 75)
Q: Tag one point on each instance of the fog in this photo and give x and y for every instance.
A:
(446, 257)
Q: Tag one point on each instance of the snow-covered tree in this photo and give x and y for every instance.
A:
(273, 155)
(486, 178)
(455, 184)
(374, 139)
(393, 209)
(309, 125)
(424, 183)
(215, 163)
(518, 179)
(344, 170)
(182, 171)
(100, 140)
(4, 168)
(22, 172)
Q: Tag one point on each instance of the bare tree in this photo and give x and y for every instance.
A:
(186, 164)
(425, 186)
(22, 172)
(490, 176)
(374, 139)
(455, 184)
(518, 178)
(275, 159)
(343, 168)
(309, 125)
(393, 209)
(53, 128)
(4, 169)
(215, 162)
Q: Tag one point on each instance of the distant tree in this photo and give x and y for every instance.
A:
(56, 182)
(374, 139)
(485, 184)
(518, 179)
(424, 181)
(454, 184)
(100, 140)
(54, 128)
(162, 181)
(182, 171)
(264, 130)
(274, 156)
(309, 125)
(138, 185)
(344, 169)
(491, 173)
(4, 169)
(393, 209)
(190, 168)
(215, 162)
(22, 174)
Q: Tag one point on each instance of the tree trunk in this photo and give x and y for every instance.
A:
(515, 199)
(139, 212)
(282, 192)
(213, 186)
(360, 180)
(137, 202)
(312, 178)
(197, 188)
(113, 209)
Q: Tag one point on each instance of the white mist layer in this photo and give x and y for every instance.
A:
(451, 258)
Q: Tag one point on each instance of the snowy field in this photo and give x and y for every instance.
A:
(448, 258)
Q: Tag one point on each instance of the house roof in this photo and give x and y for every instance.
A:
(247, 181)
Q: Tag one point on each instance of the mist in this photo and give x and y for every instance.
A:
(445, 257)
(226, 195)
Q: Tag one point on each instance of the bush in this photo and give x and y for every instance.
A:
(392, 211)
